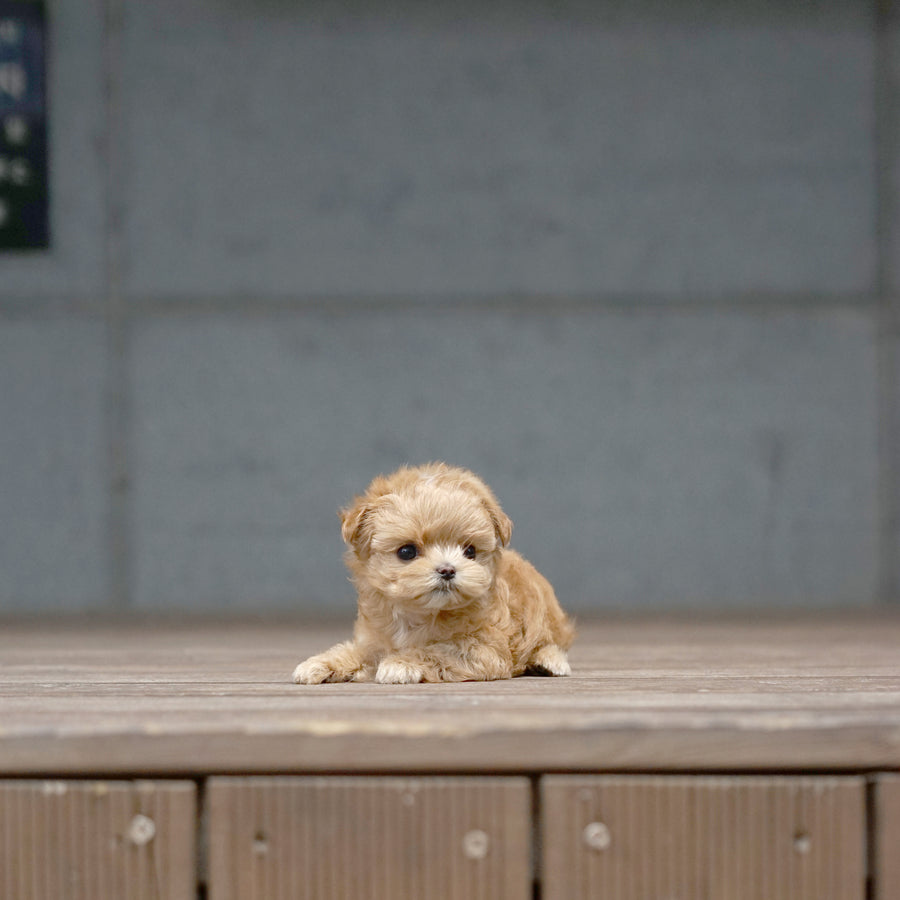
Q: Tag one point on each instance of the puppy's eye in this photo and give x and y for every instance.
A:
(469, 552)
(408, 552)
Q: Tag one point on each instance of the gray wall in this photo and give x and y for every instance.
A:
(639, 267)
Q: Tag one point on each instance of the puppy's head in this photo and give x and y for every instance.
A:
(426, 538)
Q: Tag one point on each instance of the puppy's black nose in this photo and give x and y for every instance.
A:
(447, 572)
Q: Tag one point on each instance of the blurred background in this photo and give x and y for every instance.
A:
(636, 263)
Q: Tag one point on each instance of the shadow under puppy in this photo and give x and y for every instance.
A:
(440, 596)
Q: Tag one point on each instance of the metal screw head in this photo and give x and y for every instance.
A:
(16, 129)
(260, 843)
(20, 172)
(802, 842)
(476, 844)
(596, 836)
(10, 31)
(142, 830)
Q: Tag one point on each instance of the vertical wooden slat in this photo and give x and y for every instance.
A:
(370, 838)
(753, 838)
(85, 840)
(886, 831)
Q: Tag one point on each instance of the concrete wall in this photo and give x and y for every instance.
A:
(639, 266)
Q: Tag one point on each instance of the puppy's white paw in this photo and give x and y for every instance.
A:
(342, 662)
(552, 660)
(396, 671)
(312, 671)
(321, 668)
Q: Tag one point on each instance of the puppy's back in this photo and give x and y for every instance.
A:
(537, 618)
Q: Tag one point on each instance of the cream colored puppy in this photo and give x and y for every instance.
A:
(440, 596)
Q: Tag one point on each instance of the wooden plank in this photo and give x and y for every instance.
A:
(216, 697)
(369, 838)
(101, 840)
(886, 832)
(753, 838)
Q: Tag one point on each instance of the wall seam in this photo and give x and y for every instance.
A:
(37, 306)
(887, 117)
(118, 331)
(262, 305)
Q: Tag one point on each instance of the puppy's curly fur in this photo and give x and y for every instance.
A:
(440, 596)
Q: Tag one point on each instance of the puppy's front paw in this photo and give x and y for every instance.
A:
(396, 671)
(337, 664)
(550, 660)
(314, 670)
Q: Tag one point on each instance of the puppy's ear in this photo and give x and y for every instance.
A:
(356, 525)
(503, 525)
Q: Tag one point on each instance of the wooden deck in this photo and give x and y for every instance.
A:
(683, 759)
(136, 699)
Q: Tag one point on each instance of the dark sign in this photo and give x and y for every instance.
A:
(23, 126)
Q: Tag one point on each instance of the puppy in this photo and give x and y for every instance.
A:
(440, 596)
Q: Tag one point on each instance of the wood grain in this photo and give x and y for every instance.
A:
(202, 698)
(100, 840)
(886, 833)
(624, 838)
(369, 838)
